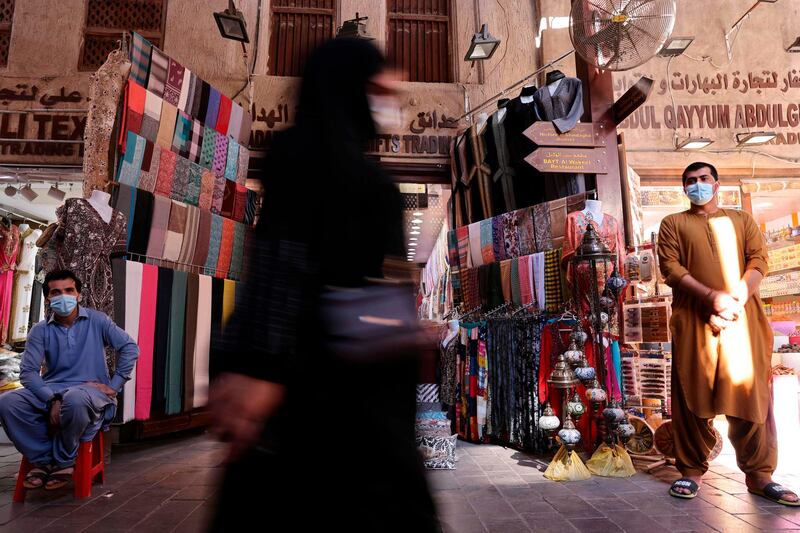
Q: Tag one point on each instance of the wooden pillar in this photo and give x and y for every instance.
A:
(598, 97)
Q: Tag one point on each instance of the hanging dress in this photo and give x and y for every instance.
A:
(23, 286)
(9, 248)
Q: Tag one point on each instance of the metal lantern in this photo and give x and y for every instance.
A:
(613, 414)
(578, 336)
(584, 372)
(575, 406)
(562, 376)
(595, 394)
(569, 435)
(574, 355)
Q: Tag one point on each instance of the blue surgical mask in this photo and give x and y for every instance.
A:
(63, 304)
(700, 193)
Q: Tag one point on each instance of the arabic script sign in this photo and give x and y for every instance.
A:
(569, 160)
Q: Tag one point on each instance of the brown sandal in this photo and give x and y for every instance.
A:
(56, 480)
(35, 479)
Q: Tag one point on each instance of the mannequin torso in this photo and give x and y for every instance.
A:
(594, 210)
(100, 201)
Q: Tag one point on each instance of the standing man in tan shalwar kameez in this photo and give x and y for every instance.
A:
(714, 259)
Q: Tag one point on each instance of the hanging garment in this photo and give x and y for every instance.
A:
(142, 221)
(479, 176)
(212, 112)
(195, 183)
(224, 115)
(175, 229)
(190, 336)
(146, 341)
(133, 303)
(202, 345)
(499, 160)
(505, 276)
(205, 96)
(217, 305)
(124, 201)
(558, 221)
(214, 242)
(475, 244)
(196, 141)
(228, 199)
(235, 123)
(166, 126)
(240, 203)
(203, 238)
(105, 90)
(135, 97)
(242, 166)
(498, 246)
(158, 227)
(161, 346)
(140, 59)
(23, 286)
(235, 271)
(183, 133)
(509, 223)
(87, 247)
(525, 286)
(232, 161)
(552, 278)
(528, 182)
(152, 116)
(487, 244)
(166, 172)
(218, 198)
(150, 163)
(226, 247)
(189, 236)
(563, 106)
(220, 154)
(186, 90)
(159, 65)
(541, 219)
(177, 323)
(197, 98)
(207, 184)
(538, 279)
(525, 231)
(208, 148)
(130, 167)
(180, 180)
(9, 250)
(37, 303)
(516, 286)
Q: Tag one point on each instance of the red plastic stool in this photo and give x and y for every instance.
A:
(89, 465)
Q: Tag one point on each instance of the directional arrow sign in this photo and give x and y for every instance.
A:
(569, 160)
(544, 133)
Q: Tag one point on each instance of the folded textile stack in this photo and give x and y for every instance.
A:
(433, 429)
(9, 370)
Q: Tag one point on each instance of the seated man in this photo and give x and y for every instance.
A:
(69, 402)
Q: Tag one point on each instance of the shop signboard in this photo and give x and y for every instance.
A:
(569, 160)
(632, 99)
(587, 134)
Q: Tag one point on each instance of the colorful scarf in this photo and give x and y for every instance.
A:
(516, 292)
(220, 153)
(195, 183)
(487, 248)
(130, 167)
(172, 88)
(552, 280)
(475, 244)
(224, 115)
(140, 59)
(152, 116)
(180, 180)
(166, 170)
(232, 161)
(497, 239)
(209, 148)
(166, 126)
(242, 165)
(159, 63)
(538, 279)
(525, 286)
(183, 134)
(541, 218)
(206, 189)
(525, 231)
(510, 234)
(505, 277)
(150, 162)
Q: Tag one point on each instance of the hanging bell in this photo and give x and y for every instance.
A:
(595, 394)
(573, 355)
(562, 376)
(576, 407)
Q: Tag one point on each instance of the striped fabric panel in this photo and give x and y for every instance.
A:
(159, 63)
(140, 59)
(250, 210)
(554, 298)
(196, 141)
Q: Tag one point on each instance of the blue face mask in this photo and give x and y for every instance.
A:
(63, 304)
(700, 193)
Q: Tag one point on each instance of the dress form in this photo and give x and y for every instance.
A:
(100, 200)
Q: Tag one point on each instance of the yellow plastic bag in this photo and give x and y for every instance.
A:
(611, 462)
(567, 466)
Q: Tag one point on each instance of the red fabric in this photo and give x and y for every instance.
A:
(240, 205)
(147, 330)
(226, 247)
(224, 116)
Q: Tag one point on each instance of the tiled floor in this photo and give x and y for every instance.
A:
(169, 486)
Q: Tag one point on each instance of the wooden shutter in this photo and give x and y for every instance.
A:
(419, 39)
(6, 16)
(107, 20)
(298, 26)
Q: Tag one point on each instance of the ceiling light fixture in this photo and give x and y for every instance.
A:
(56, 193)
(675, 46)
(755, 138)
(417, 221)
(483, 45)
(412, 244)
(694, 143)
(231, 24)
(28, 193)
(418, 213)
(415, 232)
(413, 239)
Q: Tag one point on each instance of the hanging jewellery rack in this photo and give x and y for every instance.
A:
(502, 93)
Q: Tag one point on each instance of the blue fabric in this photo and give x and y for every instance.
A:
(75, 355)
(231, 164)
(130, 168)
(440, 415)
(617, 358)
(213, 108)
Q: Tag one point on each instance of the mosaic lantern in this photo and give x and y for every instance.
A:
(613, 414)
(574, 355)
(569, 435)
(625, 430)
(584, 372)
(549, 422)
(607, 300)
(616, 283)
(578, 336)
(595, 394)
(575, 407)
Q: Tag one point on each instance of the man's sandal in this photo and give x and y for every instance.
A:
(684, 483)
(35, 479)
(775, 492)
(58, 479)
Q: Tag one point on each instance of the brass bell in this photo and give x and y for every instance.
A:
(562, 376)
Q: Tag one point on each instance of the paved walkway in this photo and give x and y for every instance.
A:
(169, 486)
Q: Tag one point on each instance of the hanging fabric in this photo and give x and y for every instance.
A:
(161, 348)
(134, 274)
(190, 336)
(203, 341)
(175, 352)
(146, 341)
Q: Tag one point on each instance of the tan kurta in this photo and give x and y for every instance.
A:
(726, 373)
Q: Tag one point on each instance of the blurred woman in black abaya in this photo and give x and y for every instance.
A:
(305, 429)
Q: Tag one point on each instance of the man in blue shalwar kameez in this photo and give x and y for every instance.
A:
(68, 401)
